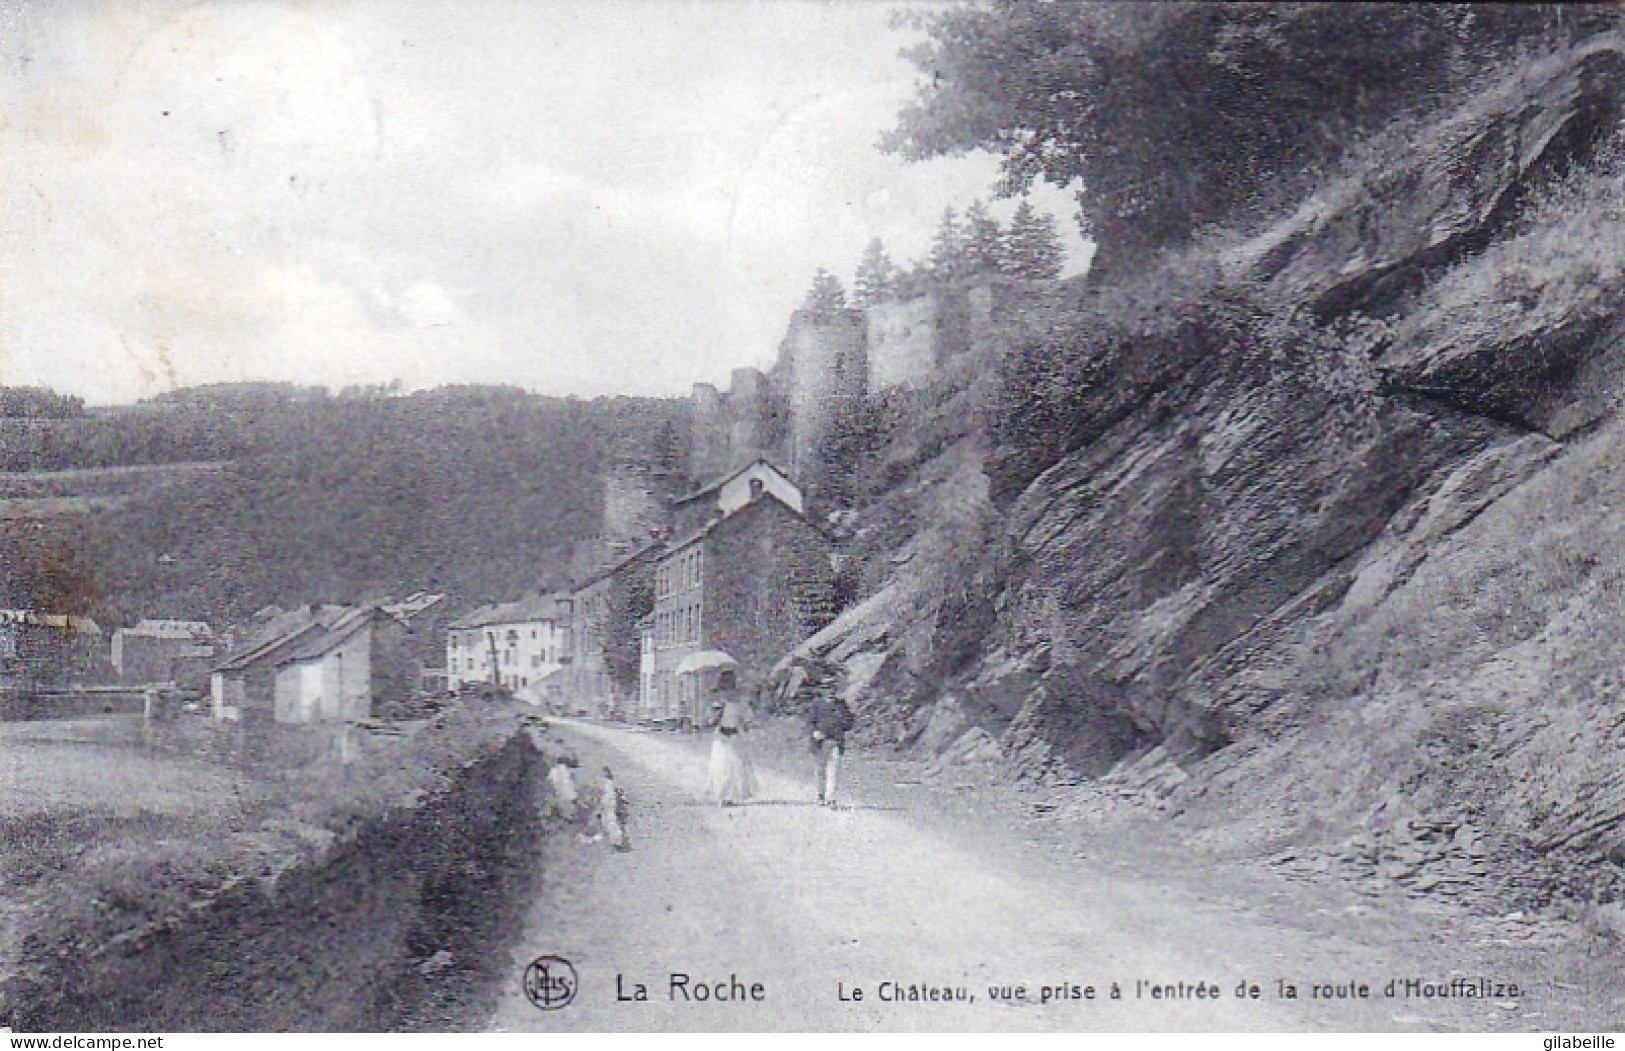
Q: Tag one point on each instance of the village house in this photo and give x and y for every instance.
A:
(603, 634)
(313, 666)
(730, 493)
(646, 671)
(406, 659)
(527, 640)
(47, 650)
(162, 651)
(752, 583)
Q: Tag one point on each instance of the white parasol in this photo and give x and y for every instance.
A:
(704, 661)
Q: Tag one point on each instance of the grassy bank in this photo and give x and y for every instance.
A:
(305, 901)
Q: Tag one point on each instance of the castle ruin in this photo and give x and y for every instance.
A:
(828, 361)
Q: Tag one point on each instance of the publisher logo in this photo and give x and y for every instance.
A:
(550, 982)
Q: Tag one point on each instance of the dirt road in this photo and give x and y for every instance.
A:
(814, 906)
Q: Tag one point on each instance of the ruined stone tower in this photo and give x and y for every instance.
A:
(730, 430)
(635, 502)
(822, 372)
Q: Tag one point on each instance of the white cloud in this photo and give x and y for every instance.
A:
(427, 305)
(570, 197)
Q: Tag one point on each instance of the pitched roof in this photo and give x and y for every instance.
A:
(527, 610)
(410, 606)
(268, 652)
(314, 634)
(767, 498)
(329, 638)
(725, 479)
(170, 629)
(652, 547)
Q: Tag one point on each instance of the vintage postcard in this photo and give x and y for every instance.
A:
(799, 516)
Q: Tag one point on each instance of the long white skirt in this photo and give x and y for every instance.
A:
(733, 779)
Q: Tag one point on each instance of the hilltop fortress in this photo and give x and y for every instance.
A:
(828, 362)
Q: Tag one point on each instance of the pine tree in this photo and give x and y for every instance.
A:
(826, 293)
(948, 248)
(1032, 248)
(876, 277)
(984, 240)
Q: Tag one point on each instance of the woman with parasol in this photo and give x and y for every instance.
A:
(733, 778)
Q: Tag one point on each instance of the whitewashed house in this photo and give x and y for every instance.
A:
(315, 666)
(731, 492)
(328, 676)
(527, 640)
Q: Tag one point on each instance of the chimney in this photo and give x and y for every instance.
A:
(756, 488)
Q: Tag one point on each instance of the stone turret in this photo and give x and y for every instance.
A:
(708, 436)
(751, 418)
(635, 502)
(822, 372)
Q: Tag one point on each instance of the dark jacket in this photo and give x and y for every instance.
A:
(831, 717)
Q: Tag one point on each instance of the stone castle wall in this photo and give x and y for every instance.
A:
(828, 361)
(732, 429)
(902, 342)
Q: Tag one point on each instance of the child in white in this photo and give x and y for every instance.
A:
(612, 811)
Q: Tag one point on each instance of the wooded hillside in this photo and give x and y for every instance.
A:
(473, 491)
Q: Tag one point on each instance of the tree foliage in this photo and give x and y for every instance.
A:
(947, 259)
(473, 491)
(984, 240)
(876, 276)
(623, 644)
(1031, 248)
(1172, 116)
(826, 293)
(39, 403)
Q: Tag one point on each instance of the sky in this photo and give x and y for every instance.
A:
(574, 198)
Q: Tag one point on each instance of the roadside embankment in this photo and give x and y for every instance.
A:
(356, 896)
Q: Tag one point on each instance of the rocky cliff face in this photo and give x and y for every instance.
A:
(1325, 517)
